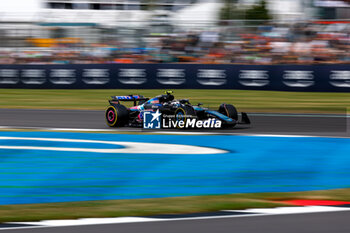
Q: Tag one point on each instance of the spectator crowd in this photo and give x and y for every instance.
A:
(300, 43)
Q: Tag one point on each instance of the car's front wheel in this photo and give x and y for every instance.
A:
(229, 110)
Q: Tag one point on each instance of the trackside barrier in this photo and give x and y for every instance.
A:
(328, 78)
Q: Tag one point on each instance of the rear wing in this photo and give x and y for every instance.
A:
(134, 98)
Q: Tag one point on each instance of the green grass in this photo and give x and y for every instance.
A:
(147, 207)
(250, 101)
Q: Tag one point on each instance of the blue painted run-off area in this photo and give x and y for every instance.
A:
(253, 164)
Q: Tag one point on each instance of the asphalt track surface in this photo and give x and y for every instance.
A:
(335, 222)
(287, 124)
(293, 124)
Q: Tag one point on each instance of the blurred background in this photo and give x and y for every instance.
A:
(290, 73)
(175, 31)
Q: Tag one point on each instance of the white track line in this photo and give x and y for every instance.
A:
(104, 130)
(120, 220)
(62, 129)
(300, 115)
(129, 147)
(165, 132)
(146, 131)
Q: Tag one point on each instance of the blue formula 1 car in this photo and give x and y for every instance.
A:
(117, 115)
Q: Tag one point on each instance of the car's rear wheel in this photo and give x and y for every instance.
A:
(116, 115)
(229, 110)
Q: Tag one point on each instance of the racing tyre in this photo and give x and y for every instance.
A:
(184, 112)
(229, 110)
(117, 115)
